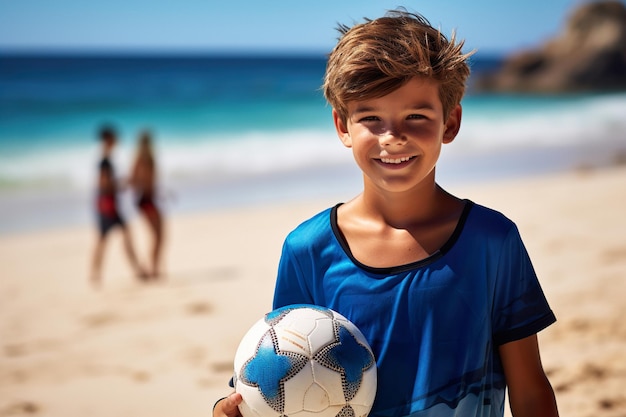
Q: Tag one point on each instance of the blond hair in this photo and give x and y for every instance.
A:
(378, 56)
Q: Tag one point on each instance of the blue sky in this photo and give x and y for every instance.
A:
(261, 25)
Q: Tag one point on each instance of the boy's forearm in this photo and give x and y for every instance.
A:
(543, 404)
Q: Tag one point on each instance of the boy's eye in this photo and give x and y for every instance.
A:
(416, 117)
(369, 119)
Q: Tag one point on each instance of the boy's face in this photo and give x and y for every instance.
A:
(396, 139)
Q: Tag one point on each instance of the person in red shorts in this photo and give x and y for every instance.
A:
(143, 182)
(107, 210)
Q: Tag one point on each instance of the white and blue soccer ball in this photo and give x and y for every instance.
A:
(305, 361)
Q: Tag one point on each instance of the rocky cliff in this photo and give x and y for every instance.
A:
(589, 55)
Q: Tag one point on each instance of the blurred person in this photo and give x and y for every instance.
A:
(107, 209)
(143, 181)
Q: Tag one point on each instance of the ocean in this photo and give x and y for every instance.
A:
(234, 130)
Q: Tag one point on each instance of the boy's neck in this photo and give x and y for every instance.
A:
(391, 229)
(403, 209)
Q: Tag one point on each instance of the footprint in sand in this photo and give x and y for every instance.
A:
(37, 345)
(223, 366)
(140, 376)
(14, 350)
(611, 403)
(100, 319)
(614, 255)
(592, 371)
(198, 308)
(20, 408)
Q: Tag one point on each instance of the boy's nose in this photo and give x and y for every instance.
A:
(391, 138)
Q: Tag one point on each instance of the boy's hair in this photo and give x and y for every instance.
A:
(376, 57)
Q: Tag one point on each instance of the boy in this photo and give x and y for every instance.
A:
(107, 210)
(442, 288)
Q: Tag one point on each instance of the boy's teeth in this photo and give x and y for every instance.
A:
(394, 161)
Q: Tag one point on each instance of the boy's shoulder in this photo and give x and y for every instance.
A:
(483, 219)
(483, 212)
(313, 228)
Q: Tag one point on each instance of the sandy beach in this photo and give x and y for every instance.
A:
(127, 349)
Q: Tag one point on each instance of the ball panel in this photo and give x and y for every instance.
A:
(295, 388)
(254, 405)
(269, 368)
(360, 410)
(293, 339)
(303, 393)
(315, 399)
(331, 411)
(322, 335)
(353, 329)
(248, 345)
(349, 358)
(304, 331)
(365, 395)
(346, 411)
(331, 381)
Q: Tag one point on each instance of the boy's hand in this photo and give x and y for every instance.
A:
(227, 407)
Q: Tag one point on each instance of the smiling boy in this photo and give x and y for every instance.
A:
(441, 287)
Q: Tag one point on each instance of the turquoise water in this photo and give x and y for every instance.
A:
(237, 130)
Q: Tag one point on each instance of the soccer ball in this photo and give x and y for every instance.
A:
(305, 361)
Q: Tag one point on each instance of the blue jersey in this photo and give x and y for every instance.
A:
(434, 325)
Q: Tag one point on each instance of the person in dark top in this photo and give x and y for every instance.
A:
(107, 209)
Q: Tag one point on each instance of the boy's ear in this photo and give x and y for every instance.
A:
(453, 124)
(342, 130)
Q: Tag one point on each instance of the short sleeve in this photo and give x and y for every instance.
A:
(520, 306)
(290, 284)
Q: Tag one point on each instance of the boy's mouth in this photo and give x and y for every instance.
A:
(396, 161)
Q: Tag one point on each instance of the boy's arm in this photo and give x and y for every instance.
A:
(530, 392)
(227, 407)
